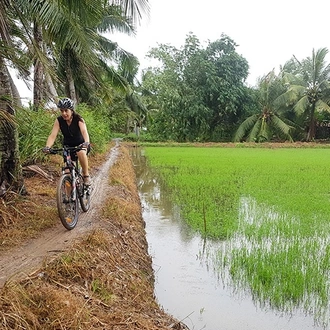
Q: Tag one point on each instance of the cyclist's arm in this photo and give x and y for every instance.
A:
(52, 137)
(83, 130)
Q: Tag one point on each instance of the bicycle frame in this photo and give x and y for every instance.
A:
(72, 166)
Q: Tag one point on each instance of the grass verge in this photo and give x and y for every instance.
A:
(104, 281)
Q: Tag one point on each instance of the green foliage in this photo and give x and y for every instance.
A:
(35, 126)
(308, 89)
(270, 122)
(196, 92)
(98, 124)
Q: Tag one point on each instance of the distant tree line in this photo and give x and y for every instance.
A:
(199, 94)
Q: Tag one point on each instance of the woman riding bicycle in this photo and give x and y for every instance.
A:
(74, 130)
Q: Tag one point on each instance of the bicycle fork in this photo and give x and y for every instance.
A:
(71, 190)
(74, 186)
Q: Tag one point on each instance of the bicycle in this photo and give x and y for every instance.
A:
(71, 188)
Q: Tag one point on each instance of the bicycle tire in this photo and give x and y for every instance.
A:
(68, 209)
(84, 196)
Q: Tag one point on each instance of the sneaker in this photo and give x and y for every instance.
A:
(87, 180)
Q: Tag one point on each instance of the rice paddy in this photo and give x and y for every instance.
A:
(271, 207)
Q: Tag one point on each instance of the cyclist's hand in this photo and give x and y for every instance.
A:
(85, 145)
(46, 150)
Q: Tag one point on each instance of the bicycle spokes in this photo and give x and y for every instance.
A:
(67, 206)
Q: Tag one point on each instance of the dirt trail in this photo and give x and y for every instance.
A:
(25, 259)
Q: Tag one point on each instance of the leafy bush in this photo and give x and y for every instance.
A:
(98, 125)
(34, 128)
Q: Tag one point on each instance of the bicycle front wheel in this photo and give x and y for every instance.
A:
(68, 209)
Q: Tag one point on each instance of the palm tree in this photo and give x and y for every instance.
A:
(10, 171)
(263, 125)
(309, 89)
(82, 54)
(86, 78)
(68, 26)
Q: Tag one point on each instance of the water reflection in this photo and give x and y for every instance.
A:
(189, 283)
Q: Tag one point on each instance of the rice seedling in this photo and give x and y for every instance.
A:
(272, 208)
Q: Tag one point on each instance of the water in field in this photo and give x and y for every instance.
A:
(190, 285)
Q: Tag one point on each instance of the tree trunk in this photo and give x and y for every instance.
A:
(72, 90)
(38, 70)
(16, 95)
(311, 128)
(11, 177)
(70, 79)
(50, 87)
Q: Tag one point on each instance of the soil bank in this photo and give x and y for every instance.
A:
(97, 276)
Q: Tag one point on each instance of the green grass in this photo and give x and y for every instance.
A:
(210, 183)
(272, 206)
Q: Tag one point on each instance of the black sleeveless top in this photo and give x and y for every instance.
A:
(72, 136)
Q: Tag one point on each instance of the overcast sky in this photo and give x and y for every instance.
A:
(267, 33)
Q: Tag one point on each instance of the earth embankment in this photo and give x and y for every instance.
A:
(97, 276)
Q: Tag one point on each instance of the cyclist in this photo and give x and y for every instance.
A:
(74, 131)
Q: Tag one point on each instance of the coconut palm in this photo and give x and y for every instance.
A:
(84, 77)
(309, 89)
(269, 122)
(10, 51)
(67, 24)
(71, 34)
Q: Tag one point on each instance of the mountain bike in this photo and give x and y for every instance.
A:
(71, 187)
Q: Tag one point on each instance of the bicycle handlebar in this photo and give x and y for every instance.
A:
(59, 150)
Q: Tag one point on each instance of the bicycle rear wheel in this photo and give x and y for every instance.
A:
(84, 196)
(68, 209)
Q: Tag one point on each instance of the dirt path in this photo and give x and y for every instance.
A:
(25, 259)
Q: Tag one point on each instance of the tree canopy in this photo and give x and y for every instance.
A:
(197, 93)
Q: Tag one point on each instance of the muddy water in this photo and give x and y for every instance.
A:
(187, 285)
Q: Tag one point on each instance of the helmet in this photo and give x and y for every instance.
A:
(65, 103)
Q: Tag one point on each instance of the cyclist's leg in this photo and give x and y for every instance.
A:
(83, 159)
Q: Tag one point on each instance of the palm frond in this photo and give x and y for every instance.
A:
(254, 133)
(246, 125)
(115, 21)
(134, 9)
(283, 127)
(318, 63)
(322, 106)
(301, 106)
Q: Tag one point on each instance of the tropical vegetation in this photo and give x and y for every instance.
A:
(200, 94)
(197, 92)
(63, 44)
(271, 121)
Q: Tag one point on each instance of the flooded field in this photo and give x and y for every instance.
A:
(192, 282)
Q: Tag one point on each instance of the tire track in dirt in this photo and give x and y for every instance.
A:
(22, 261)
